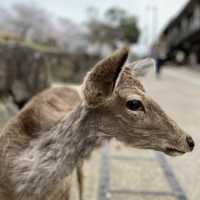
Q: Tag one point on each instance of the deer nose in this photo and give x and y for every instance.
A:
(190, 142)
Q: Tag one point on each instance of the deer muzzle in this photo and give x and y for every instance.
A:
(186, 144)
(190, 142)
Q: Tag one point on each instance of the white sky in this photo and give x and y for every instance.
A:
(151, 22)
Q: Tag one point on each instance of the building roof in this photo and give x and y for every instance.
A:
(186, 11)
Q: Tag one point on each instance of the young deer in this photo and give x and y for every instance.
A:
(57, 130)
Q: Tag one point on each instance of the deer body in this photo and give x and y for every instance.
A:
(57, 130)
(33, 122)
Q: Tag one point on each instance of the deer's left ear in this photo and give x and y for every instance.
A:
(100, 81)
(142, 67)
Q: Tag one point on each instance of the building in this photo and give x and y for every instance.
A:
(182, 35)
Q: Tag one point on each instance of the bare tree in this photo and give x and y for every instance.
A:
(4, 15)
(30, 21)
(71, 36)
(34, 23)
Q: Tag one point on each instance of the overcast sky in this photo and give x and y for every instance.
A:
(76, 11)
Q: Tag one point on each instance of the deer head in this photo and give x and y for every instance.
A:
(124, 110)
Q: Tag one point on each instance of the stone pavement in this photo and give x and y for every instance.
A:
(117, 172)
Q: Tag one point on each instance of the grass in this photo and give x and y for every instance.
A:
(41, 48)
(7, 38)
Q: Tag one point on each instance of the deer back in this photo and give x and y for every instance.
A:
(39, 115)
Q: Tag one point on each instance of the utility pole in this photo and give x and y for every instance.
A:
(153, 9)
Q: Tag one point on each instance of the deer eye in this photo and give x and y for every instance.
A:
(135, 105)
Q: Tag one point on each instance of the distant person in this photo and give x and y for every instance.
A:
(159, 53)
(159, 63)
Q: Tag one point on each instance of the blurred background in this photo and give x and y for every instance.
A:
(43, 43)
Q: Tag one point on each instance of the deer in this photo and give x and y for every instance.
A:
(58, 129)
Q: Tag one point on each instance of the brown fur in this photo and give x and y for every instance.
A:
(40, 114)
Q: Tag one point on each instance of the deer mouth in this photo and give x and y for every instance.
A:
(173, 151)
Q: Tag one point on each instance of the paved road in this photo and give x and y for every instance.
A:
(120, 173)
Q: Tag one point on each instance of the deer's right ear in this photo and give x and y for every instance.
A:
(100, 81)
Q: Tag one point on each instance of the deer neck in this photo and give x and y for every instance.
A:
(76, 136)
(52, 158)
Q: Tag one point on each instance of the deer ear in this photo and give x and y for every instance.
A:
(100, 81)
(142, 67)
